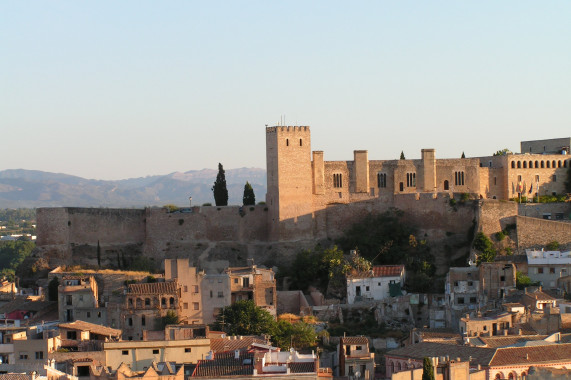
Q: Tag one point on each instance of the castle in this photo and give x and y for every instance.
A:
(302, 186)
(309, 199)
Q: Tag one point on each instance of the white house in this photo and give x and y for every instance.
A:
(375, 284)
(548, 266)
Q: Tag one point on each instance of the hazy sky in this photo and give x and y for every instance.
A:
(118, 89)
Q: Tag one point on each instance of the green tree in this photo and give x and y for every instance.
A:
(503, 152)
(219, 189)
(463, 155)
(522, 281)
(402, 155)
(552, 246)
(245, 318)
(249, 199)
(427, 369)
(53, 286)
(171, 318)
(298, 335)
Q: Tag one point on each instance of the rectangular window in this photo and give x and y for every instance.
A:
(211, 294)
(502, 278)
(88, 314)
(195, 289)
(185, 305)
(359, 348)
(235, 280)
(23, 356)
(337, 180)
(39, 354)
(125, 352)
(366, 288)
(460, 300)
(72, 335)
(473, 300)
(554, 178)
(68, 300)
(220, 294)
(381, 180)
(155, 352)
(540, 270)
(185, 288)
(552, 270)
(195, 305)
(187, 349)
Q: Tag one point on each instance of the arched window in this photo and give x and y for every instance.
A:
(171, 301)
(287, 142)
(392, 367)
(511, 376)
(519, 164)
(525, 164)
(530, 164)
(399, 367)
(536, 164)
(554, 164)
(564, 164)
(143, 320)
(300, 143)
(559, 163)
(523, 375)
(548, 164)
(542, 164)
(446, 185)
(163, 301)
(139, 302)
(499, 376)
(147, 302)
(513, 164)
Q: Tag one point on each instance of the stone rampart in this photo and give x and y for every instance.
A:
(494, 215)
(537, 233)
(551, 211)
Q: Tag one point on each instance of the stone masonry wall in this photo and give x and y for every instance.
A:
(536, 233)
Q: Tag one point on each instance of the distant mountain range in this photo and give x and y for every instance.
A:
(32, 188)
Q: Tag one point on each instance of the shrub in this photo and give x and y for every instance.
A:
(500, 235)
(553, 246)
(465, 197)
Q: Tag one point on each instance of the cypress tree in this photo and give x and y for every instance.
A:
(249, 199)
(219, 189)
(427, 369)
(463, 155)
(402, 155)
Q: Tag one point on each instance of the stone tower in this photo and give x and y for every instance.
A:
(290, 182)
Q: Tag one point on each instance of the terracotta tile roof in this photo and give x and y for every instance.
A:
(388, 270)
(91, 327)
(531, 355)
(438, 333)
(505, 341)
(419, 351)
(15, 376)
(301, 367)
(153, 288)
(224, 364)
(539, 296)
(355, 340)
(231, 344)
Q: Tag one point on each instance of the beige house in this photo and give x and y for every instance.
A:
(488, 326)
(78, 298)
(215, 295)
(140, 355)
(189, 280)
(146, 304)
(253, 283)
(355, 359)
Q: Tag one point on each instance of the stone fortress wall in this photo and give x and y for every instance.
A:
(308, 200)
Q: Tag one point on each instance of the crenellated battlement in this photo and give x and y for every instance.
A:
(290, 128)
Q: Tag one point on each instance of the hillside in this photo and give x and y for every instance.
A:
(32, 188)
